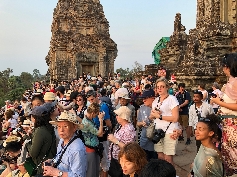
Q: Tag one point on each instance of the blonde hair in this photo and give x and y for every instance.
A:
(163, 80)
(93, 108)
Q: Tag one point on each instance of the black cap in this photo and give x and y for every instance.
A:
(148, 93)
(60, 89)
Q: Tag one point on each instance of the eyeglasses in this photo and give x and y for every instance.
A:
(204, 120)
(160, 87)
(79, 100)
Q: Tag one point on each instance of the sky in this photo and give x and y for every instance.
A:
(135, 25)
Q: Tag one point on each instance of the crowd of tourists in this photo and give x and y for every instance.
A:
(100, 127)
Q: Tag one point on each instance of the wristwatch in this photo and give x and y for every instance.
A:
(60, 174)
(160, 117)
(117, 142)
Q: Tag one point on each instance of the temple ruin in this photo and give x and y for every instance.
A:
(195, 57)
(80, 41)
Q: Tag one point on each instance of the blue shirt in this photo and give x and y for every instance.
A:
(74, 159)
(143, 115)
(103, 107)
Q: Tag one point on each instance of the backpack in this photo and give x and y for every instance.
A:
(112, 115)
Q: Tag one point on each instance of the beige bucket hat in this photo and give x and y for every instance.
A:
(69, 117)
(124, 112)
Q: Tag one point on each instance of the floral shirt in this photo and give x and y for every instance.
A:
(124, 134)
(89, 133)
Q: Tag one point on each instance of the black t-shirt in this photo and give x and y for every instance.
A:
(181, 97)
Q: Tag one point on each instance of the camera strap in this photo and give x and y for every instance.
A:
(198, 112)
(61, 156)
(168, 127)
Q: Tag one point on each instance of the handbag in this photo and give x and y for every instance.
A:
(150, 130)
(115, 169)
(30, 166)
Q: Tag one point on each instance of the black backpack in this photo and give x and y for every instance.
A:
(112, 115)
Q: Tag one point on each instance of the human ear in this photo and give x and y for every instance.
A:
(211, 133)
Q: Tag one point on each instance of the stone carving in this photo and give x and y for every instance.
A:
(80, 41)
(195, 57)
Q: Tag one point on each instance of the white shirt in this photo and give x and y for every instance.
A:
(204, 110)
(203, 93)
(166, 110)
(13, 122)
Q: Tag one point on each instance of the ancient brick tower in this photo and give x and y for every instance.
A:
(80, 41)
(195, 57)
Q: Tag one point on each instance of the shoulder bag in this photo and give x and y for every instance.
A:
(150, 130)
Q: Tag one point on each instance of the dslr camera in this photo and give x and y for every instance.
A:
(6, 158)
(106, 130)
(21, 130)
(158, 135)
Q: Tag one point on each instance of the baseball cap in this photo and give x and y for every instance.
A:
(148, 93)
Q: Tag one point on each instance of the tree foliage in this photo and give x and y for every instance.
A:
(134, 72)
(12, 87)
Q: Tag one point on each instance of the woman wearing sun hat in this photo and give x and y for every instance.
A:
(125, 132)
(71, 153)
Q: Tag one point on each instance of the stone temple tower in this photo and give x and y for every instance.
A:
(195, 57)
(80, 41)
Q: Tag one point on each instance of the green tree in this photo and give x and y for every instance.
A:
(124, 73)
(137, 69)
(15, 94)
(36, 75)
(14, 82)
(26, 79)
(4, 76)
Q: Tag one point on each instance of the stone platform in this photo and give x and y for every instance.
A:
(185, 155)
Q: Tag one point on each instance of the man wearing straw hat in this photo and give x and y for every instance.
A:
(71, 152)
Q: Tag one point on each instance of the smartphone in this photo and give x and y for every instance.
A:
(47, 164)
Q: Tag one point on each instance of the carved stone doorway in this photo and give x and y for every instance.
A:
(88, 68)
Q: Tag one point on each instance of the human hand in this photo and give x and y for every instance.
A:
(101, 116)
(155, 113)
(176, 133)
(50, 171)
(112, 138)
(215, 100)
(143, 124)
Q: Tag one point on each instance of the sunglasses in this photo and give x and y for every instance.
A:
(204, 120)
(160, 87)
(79, 99)
(197, 92)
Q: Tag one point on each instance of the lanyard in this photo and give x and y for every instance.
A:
(160, 103)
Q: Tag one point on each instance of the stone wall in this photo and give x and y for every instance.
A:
(195, 57)
(80, 41)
